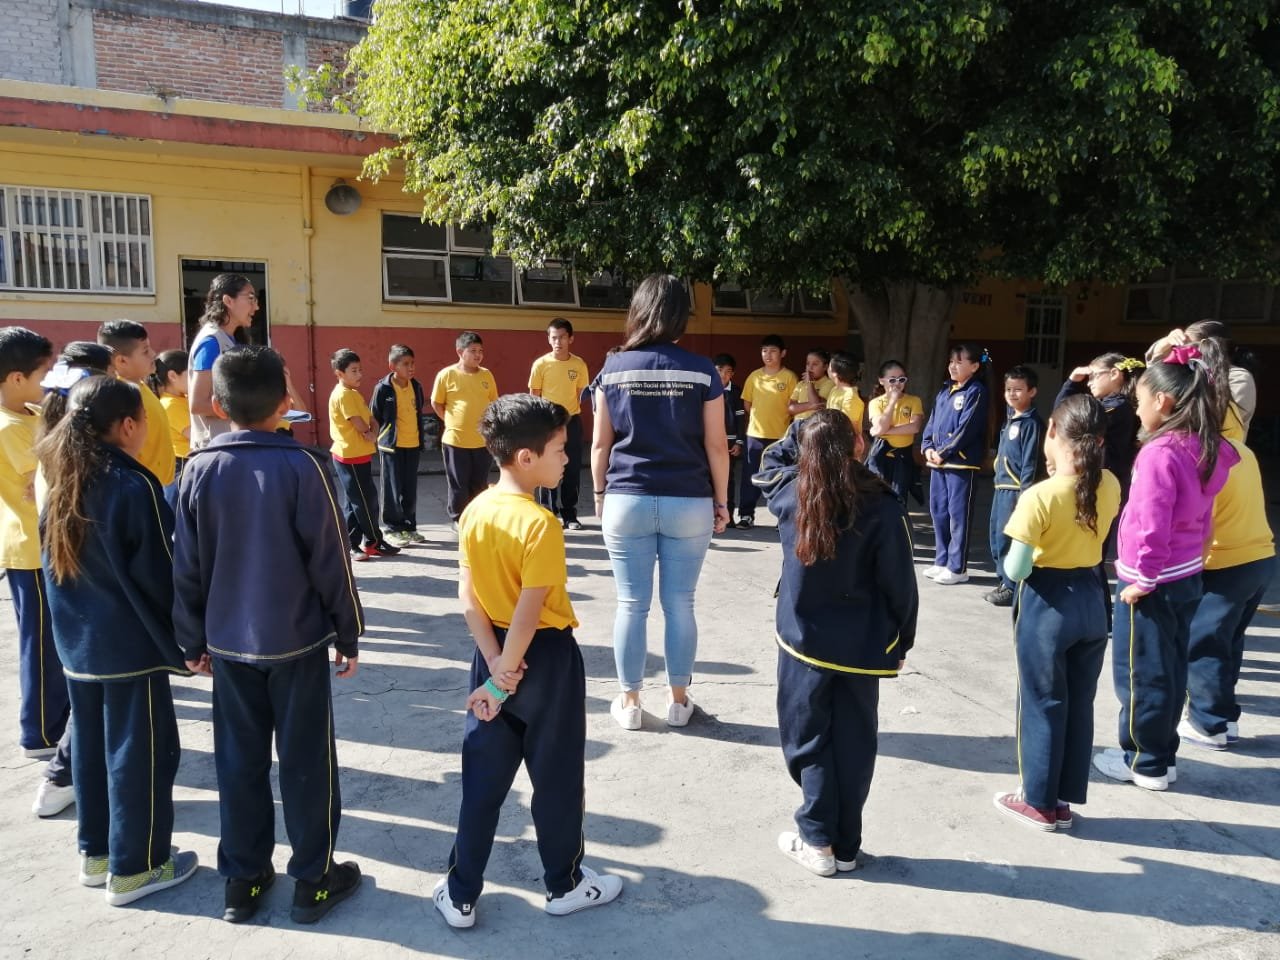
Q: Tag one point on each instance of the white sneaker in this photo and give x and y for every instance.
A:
(947, 577)
(1189, 732)
(594, 890)
(933, 570)
(1233, 731)
(628, 717)
(678, 714)
(846, 866)
(1172, 774)
(794, 848)
(52, 799)
(455, 915)
(1110, 763)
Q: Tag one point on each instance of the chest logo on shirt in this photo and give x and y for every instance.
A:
(484, 384)
(573, 374)
(1014, 430)
(958, 402)
(780, 387)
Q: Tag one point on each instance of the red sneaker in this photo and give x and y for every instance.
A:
(1062, 814)
(1012, 805)
(380, 549)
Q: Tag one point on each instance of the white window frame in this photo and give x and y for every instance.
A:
(571, 279)
(95, 240)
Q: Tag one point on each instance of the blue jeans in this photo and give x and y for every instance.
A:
(674, 531)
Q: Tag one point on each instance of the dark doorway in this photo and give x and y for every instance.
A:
(196, 277)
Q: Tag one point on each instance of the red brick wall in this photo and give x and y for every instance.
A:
(162, 56)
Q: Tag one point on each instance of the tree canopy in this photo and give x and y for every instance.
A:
(888, 141)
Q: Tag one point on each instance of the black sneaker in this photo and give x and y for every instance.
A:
(746, 523)
(245, 896)
(311, 901)
(1001, 596)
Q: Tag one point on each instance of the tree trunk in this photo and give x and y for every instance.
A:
(908, 322)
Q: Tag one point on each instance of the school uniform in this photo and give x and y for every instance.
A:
(464, 397)
(398, 410)
(1120, 439)
(767, 421)
(43, 712)
(823, 387)
(735, 416)
(1061, 620)
(1237, 572)
(510, 543)
(352, 460)
(891, 457)
(1018, 459)
(849, 402)
(842, 625)
(957, 431)
(1162, 532)
(562, 381)
(113, 626)
(263, 584)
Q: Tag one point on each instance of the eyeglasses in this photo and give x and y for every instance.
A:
(249, 295)
(895, 379)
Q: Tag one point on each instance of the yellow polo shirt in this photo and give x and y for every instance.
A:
(1241, 533)
(768, 394)
(344, 403)
(406, 417)
(1045, 518)
(510, 543)
(800, 394)
(178, 412)
(848, 401)
(909, 406)
(157, 451)
(464, 397)
(19, 530)
(560, 381)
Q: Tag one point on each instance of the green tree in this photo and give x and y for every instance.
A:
(904, 146)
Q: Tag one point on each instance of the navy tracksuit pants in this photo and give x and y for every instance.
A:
(466, 472)
(1150, 664)
(45, 707)
(894, 465)
(950, 504)
(400, 488)
(1216, 648)
(1002, 504)
(563, 500)
(291, 701)
(828, 724)
(361, 507)
(1060, 628)
(749, 493)
(125, 757)
(543, 725)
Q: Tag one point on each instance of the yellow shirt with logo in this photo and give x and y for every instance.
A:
(178, 412)
(406, 417)
(1241, 533)
(157, 453)
(848, 402)
(1045, 518)
(768, 393)
(908, 407)
(344, 403)
(560, 381)
(464, 397)
(510, 544)
(19, 531)
(800, 394)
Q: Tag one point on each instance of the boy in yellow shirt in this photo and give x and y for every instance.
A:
(527, 672)
(134, 360)
(766, 394)
(352, 429)
(398, 400)
(560, 376)
(459, 397)
(811, 393)
(25, 357)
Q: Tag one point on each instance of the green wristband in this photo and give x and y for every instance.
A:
(496, 691)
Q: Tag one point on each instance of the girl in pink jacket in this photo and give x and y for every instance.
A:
(1165, 528)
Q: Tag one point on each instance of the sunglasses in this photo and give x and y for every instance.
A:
(895, 379)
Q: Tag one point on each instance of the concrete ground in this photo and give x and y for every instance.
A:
(689, 817)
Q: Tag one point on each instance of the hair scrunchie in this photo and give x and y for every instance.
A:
(1183, 355)
(1130, 363)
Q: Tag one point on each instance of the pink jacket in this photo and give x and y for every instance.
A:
(1168, 519)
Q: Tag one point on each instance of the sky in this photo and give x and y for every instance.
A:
(312, 8)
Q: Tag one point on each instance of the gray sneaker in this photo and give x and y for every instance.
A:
(126, 889)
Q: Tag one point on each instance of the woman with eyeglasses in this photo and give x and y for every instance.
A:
(229, 306)
(896, 418)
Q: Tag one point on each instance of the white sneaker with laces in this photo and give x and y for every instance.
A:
(594, 890)
(1190, 732)
(1110, 763)
(52, 799)
(628, 716)
(948, 577)
(459, 916)
(678, 714)
(933, 570)
(794, 848)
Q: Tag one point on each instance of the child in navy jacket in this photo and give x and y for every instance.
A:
(846, 617)
(110, 578)
(1018, 459)
(263, 586)
(954, 444)
(397, 405)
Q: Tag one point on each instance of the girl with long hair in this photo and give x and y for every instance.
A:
(846, 617)
(1060, 615)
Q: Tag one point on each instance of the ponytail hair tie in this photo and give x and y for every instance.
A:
(1130, 364)
(62, 377)
(986, 357)
(1184, 354)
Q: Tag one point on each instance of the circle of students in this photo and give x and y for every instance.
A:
(126, 481)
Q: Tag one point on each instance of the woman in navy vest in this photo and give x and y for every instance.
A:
(660, 465)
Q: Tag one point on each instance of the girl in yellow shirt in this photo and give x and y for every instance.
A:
(170, 384)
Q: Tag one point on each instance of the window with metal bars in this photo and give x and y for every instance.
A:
(75, 241)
